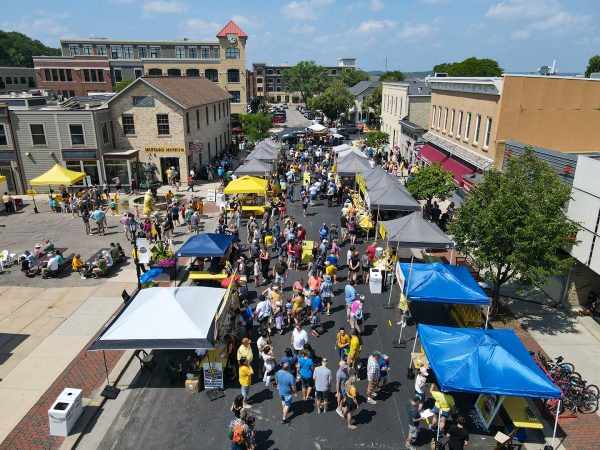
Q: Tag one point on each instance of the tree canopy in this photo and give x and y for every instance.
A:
(394, 75)
(352, 77)
(373, 101)
(306, 77)
(336, 99)
(470, 67)
(514, 223)
(256, 126)
(17, 49)
(431, 182)
(376, 138)
(122, 84)
(593, 66)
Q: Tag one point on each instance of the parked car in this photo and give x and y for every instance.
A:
(278, 119)
(290, 139)
(350, 129)
(236, 130)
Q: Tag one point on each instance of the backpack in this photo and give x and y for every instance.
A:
(359, 314)
(238, 433)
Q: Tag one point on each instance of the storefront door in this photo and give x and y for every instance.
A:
(166, 163)
(7, 171)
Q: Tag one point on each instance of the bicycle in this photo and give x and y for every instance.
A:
(582, 398)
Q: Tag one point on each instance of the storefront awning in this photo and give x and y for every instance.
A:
(431, 155)
(458, 169)
(125, 154)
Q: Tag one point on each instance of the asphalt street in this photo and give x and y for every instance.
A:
(158, 413)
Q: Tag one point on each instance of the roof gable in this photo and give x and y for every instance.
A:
(232, 28)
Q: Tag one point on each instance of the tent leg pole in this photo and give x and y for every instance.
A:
(402, 322)
(437, 436)
(556, 423)
(451, 255)
(105, 367)
(487, 317)
(414, 348)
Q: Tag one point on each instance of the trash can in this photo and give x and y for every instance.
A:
(65, 411)
(375, 281)
(220, 199)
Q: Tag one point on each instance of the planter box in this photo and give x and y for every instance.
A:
(170, 271)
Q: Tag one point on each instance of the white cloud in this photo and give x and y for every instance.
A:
(522, 9)
(164, 7)
(373, 26)
(195, 28)
(415, 31)
(303, 10)
(47, 28)
(376, 5)
(301, 28)
(247, 22)
(520, 34)
(562, 22)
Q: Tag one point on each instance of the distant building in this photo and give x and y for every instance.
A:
(361, 91)
(222, 60)
(16, 79)
(269, 82)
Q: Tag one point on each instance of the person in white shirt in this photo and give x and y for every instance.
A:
(51, 268)
(299, 338)
(263, 313)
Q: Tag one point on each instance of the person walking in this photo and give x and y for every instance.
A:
(286, 385)
(342, 343)
(443, 402)
(373, 375)
(322, 379)
(269, 361)
(351, 401)
(354, 352)
(245, 377)
(8, 203)
(306, 365)
(350, 295)
(341, 377)
(263, 313)
(458, 435)
(414, 418)
(299, 338)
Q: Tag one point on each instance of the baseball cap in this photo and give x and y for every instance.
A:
(416, 398)
(343, 364)
(376, 353)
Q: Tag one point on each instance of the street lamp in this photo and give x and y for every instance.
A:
(133, 228)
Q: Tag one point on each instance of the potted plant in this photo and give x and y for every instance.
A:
(164, 258)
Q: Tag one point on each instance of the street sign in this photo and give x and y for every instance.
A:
(211, 196)
(31, 192)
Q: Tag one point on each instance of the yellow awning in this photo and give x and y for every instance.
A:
(58, 175)
(247, 185)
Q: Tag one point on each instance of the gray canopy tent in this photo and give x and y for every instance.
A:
(255, 167)
(393, 197)
(263, 152)
(351, 165)
(412, 231)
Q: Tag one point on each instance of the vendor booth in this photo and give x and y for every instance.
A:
(351, 165)
(317, 128)
(341, 148)
(251, 193)
(263, 153)
(351, 151)
(491, 363)
(393, 197)
(206, 245)
(256, 167)
(56, 176)
(412, 231)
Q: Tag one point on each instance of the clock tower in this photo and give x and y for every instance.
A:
(232, 70)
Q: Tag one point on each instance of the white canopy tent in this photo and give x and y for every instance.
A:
(353, 151)
(317, 128)
(164, 318)
(341, 148)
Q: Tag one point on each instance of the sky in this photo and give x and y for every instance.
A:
(412, 35)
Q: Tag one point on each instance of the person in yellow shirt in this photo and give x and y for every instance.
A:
(245, 377)
(354, 352)
(245, 351)
(342, 343)
(78, 265)
(331, 270)
(443, 403)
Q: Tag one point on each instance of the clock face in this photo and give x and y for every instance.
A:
(231, 38)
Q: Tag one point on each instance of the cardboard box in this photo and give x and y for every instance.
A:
(191, 386)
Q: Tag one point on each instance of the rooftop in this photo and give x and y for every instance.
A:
(362, 86)
(232, 28)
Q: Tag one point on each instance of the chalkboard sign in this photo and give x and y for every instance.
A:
(143, 101)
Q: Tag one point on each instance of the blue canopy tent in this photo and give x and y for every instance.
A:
(206, 245)
(484, 362)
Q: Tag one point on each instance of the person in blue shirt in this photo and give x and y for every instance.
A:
(384, 367)
(248, 318)
(333, 260)
(324, 231)
(306, 365)
(292, 360)
(286, 385)
(317, 303)
(350, 295)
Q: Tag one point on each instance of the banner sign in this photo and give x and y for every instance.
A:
(143, 251)
(382, 231)
(486, 406)
(213, 375)
(164, 149)
(211, 195)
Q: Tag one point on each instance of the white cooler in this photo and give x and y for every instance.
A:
(375, 281)
(65, 411)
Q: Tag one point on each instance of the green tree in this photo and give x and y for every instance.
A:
(394, 75)
(122, 84)
(593, 66)
(432, 182)
(514, 223)
(306, 77)
(352, 77)
(336, 99)
(17, 49)
(256, 126)
(376, 139)
(373, 101)
(471, 67)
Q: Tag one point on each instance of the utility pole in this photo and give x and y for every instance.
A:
(386, 63)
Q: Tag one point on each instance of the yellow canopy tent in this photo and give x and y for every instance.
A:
(58, 175)
(247, 185)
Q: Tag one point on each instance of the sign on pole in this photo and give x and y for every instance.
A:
(143, 251)
(211, 196)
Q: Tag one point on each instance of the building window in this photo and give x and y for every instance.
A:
(174, 72)
(93, 73)
(88, 49)
(192, 52)
(236, 96)
(216, 52)
(74, 49)
(47, 75)
(3, 137)
(232, 53)
(445, 118)
(101, 50)
(433, 116)
(439, 117)
(54, 75)
(128, 51)
(128, 124)
(179, 52)
(205, 52)
(477, 128)
(138, 72)
(77, 137)
(451, 122)
(187, 122)
(101, 75)
(269, 80)
(197, 119)
(118, 75)
(142, 52)
(488, 132)
(278, 89)
(155, 72)
(459, 128)
(233, 76)
(214, 113)
(468, 126)
(259, 80)
(116, 52)
(38, 135)
(105, 137)
(269, 71)
(212, 75)
(162, 123)
(154, 52)
(69, 75)
(86, 75)
(207, 118)
(192, 72)
(278, 80)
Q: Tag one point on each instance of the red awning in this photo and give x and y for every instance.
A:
(458, 169)
(431, 155)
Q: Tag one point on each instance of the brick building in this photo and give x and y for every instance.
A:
(73, 75)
